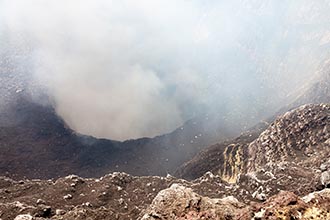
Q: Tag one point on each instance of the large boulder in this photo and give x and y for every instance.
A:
(179, 202)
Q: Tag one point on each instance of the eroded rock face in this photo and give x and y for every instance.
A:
(301, 136)
(292, 154)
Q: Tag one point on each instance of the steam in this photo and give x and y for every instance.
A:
(127, 69)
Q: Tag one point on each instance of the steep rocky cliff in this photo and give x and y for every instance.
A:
(291, 154)
(300, 136)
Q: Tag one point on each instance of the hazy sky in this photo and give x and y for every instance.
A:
(124, 69)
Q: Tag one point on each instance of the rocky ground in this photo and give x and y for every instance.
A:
(114, 196)
(283, 173)
(121, 196)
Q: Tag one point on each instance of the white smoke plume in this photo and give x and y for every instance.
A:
(126, 69)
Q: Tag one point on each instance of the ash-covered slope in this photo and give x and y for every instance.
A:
(35, 142)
